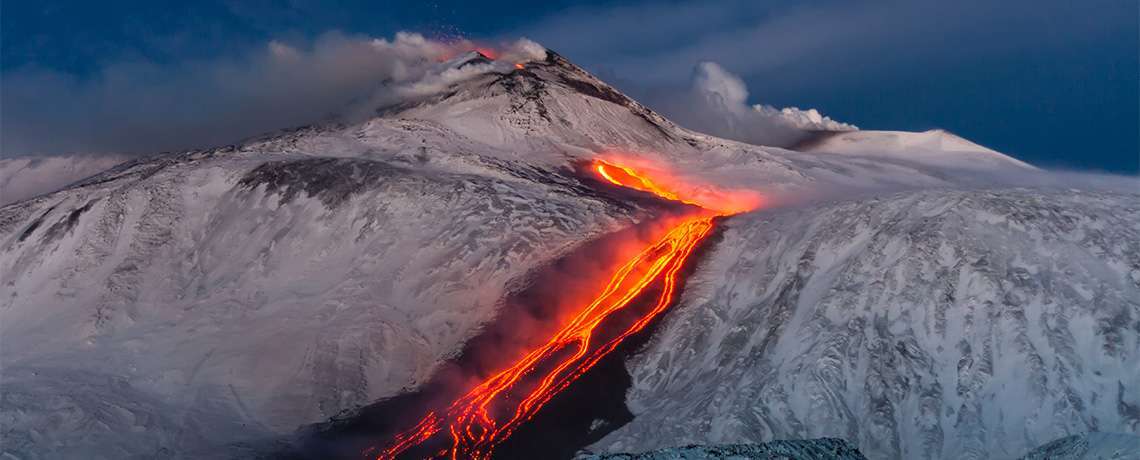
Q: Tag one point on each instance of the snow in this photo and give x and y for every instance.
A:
(25, 177)
(936, 147)
(911, 324)
(805, 449)
(1090, 446)
(281, 293)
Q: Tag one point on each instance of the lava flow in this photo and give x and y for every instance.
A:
(491, 411)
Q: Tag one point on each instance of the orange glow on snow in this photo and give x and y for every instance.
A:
(490, 412)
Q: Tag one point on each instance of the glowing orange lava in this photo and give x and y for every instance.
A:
(491, 411)
(722, 201)
(491, 53)
(450, 51)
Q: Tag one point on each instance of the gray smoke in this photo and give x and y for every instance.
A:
(144, 107)
(717, 104)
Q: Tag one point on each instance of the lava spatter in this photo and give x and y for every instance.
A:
(490, 412)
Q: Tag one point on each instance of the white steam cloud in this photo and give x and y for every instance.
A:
(717, 104)
(141, 107)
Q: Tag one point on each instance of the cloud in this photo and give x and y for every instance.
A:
(717, 103)
(142, 107)
(656, 43)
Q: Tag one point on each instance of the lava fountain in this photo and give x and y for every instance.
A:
(490, 412)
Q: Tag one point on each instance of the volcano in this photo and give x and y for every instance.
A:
(878, 287)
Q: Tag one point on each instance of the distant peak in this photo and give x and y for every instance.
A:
(472, 57)
(487, 53)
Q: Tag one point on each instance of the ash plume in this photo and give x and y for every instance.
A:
(717, 103)
(144, 107)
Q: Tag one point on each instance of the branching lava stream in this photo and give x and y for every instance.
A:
(492, 410)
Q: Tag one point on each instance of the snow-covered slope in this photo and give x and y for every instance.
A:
(188, 303)
(937, 147)
(1089, 446)
(24, 177)
(941, 324)
(799, 449)
(151, 303)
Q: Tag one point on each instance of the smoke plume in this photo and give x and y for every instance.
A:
(144, 107)
(717, 104)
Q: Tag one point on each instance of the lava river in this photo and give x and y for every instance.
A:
(490, 412)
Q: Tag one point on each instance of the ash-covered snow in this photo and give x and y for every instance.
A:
(924, 325)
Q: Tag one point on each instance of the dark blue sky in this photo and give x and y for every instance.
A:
(1053, 82)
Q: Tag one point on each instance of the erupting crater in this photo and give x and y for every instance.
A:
(493, 409)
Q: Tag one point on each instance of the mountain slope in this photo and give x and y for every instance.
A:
(267, 293)
(1089, 446)
(936, 147)
(25, 177)
(943, 324)
(808, 449)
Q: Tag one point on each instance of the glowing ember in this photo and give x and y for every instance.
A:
(491, 411)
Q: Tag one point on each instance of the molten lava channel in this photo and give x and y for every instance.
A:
(489, 413)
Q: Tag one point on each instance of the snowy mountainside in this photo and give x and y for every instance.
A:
(800, 449)
(939, 324)
(1089, 446)
(935, 147)
(279, 282)
(25, 177)
(159, 298)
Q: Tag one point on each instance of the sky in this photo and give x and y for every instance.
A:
(1055, 83)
